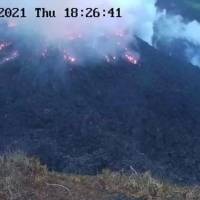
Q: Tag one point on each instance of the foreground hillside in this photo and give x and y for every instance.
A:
(23, 178)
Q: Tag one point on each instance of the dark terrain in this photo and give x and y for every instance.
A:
(87, 118)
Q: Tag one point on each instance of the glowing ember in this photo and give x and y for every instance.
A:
(4, 45)
(69, 58)
(11, 57)
(44, 53)
(110, 58)
(131, 58)
(72, 49)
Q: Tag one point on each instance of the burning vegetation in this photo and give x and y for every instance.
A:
(74, 49)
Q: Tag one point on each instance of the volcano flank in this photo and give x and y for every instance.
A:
(82, 119)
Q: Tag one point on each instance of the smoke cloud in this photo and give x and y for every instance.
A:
(109, 35)
(175, 29)
(138, 17)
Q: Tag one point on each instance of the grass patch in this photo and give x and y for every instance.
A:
(23, 178)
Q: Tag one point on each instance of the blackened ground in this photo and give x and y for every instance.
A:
(85, 119)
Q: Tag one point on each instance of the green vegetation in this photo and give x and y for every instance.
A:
(23, 178)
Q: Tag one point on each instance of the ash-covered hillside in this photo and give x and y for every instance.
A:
(101, 115)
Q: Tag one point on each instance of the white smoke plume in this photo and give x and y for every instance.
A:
(138, 17)
(174, 26)
(171, 28)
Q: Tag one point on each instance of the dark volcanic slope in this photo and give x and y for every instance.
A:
(93, 117)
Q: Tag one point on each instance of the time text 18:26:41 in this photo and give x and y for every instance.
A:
(68, 13)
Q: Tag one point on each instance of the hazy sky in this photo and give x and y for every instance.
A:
(138, 17)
